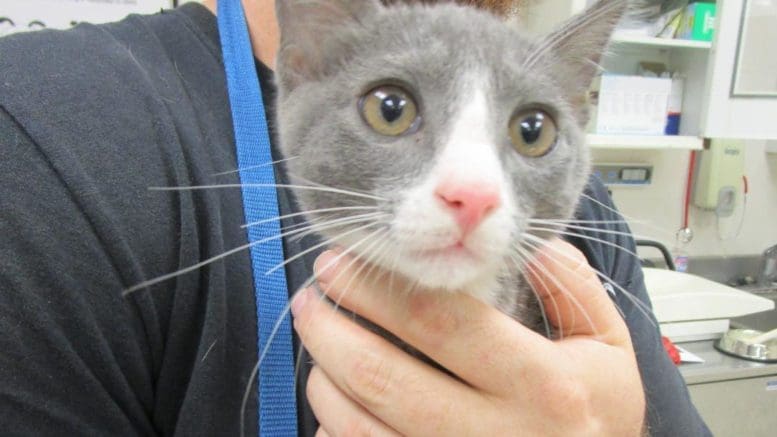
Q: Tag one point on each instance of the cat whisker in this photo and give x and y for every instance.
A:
(254, 167)
(268, 186)
(380, 253)
(553, 302)
(563, 289)
(345, 221)
(527, 257)
(537, 243)
(320, 221)
(412, 285)
(303, 224)
(620, 214)
(588, 229)
(585, 237)
(185, 270)
(276, 327)
(315, 211)
(309, 282)
(607, 280)
(368, 261)
(312, 225)
(322, 244)
(377, 236)
(572, 228)
(521, 263)
(560, 221)
(302, 230)
(199, 265)
(641, 306)
(207, 352)
(394, 264)
(318, 184)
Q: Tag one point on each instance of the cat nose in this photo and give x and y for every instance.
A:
(469, 203)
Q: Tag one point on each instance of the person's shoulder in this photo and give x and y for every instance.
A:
(114, 85)
(116, 108)
(86, 64)
(595, 203)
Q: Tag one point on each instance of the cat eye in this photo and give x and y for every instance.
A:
(389, 110)
(533, 132)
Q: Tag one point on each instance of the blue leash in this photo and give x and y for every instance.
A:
(277, 400)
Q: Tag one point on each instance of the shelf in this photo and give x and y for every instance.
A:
(668, 43)
(645, 142)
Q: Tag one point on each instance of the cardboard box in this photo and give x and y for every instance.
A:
(631, 105)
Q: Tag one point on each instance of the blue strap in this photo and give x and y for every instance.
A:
(277, 401)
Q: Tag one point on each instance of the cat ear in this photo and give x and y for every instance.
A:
(309, 48)
(572, 53)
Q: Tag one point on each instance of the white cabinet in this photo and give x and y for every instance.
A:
(710, 107)
(689, 58)
(747, 32)
(735, 397)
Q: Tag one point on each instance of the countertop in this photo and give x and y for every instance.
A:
(718, 366)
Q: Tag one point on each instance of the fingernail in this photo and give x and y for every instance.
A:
(325, 265)
(298, 302)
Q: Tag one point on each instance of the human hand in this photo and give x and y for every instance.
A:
(509, 379)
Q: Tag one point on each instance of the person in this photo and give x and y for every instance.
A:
(92, 117)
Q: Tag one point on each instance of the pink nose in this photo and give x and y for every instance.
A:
(469, 203)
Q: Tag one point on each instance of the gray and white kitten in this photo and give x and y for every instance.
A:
(458, 129)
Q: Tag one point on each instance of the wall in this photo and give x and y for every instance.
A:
(62, 14)
(658, 208)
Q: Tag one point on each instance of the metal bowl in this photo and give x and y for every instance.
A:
(736, 342)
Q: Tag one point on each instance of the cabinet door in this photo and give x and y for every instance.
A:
(741, 94)
(739, 407)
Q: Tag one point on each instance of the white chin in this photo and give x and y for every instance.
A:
(474, 270)
(449, 272)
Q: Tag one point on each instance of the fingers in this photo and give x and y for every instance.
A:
(399, 390)
(337, 413)
(510, 377)
(574, 299)
(471, 339)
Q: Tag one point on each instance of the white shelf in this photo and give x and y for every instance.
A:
(673, 142)
(661, 42)
(771, 147)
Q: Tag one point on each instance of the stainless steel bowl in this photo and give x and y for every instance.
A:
(736, 342)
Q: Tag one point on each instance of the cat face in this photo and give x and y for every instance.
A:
(450, 129)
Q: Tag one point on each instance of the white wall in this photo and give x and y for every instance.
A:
(61, 14)
(660, 205)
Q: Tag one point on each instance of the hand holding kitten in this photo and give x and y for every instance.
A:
(509, 379)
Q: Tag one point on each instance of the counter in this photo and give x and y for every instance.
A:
(735, 397)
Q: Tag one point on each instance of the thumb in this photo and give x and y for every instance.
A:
(575, 302)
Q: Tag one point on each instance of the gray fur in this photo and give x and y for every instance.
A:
(333, 51)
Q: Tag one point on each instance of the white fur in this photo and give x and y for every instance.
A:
(423, 222)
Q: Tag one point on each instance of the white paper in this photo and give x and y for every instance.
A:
(688, 357)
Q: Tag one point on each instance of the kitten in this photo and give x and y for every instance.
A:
(455, 132)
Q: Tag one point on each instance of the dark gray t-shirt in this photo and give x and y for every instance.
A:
(89, 120)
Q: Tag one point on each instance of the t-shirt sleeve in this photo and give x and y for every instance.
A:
(612, 251)
(65, 370)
